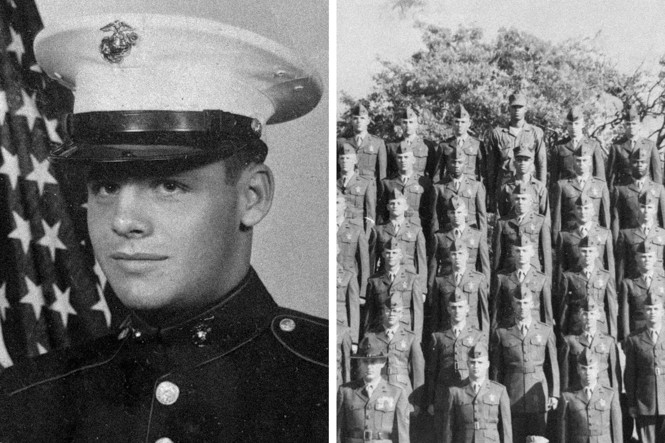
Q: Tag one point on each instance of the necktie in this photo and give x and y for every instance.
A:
(524, 329)
(476, 388)
(390, 333)
(587, 391)
(404, 180)
(408, 141)
(589, 338)
(582, 182)
(396, 225)
(519, 219)
(640, 184)
(345, 181)
(460, 142)
(458, 233)
(647, 278)
(587, 274)
(392, 277)
(654, 335)
(369, 389)
(632, 145)
(583, 231)
(359, 140)
(456, 332)
(520, 276)
(456, 183)
(458, 278)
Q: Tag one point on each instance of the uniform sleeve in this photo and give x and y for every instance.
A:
(381, 191)
(418, 372)
(353, 300)
(562, 321)
(611, 160)
(370, 203)
(556, 209)
(616, 419)
(346, 358)
(426, 215)
(434, 300)
(614, 224)
(546, 303)
(382, 167)
(541, 156)
(401, 425)
(553, 366)
(502, 205)
(363, 261)
(431, 371)
(609, 257)
(421, 261)
(492, 145)
(483, 259)
(433, 157)
(449, 419)
(417, 300)
(558, 274)
(483, 307)
(555, 173)
(432, 268)
(432, 202)
(604, 210)
(481, 210)
(496, 246)
(562, 429)
(624, 311)
(598, 162)
(630, 374)
(564, 365)
(495, 303)
(661, 207)
(611, 306)
(656, 167)
(370, 307)
(505, 422)
(546, 247)
(496, 359)
(340, 416)
(544, 203)
(620, 257)
(614, 368)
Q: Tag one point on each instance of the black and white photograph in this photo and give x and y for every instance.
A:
(500, 211)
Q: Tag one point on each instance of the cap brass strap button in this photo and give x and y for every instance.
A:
(287, 325)
(167, 393)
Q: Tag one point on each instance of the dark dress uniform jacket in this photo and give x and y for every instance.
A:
(474, 286)
(383, 417)
(360, 196)
(531, 380)
(627, 243)
(447, 361)
(534, 226)
(562, 160)
(246, 370)
(500, 146)
(626, 207)
(632, 294)
(412, 242)
(474, 196)
(644, 376)
(507, 285)
(380, 289)
(473, 150)
(476, 243)
(477, 418)
(424, 151)
(619, 167)
(539, 197)
(372, 159)
(604, 348)
(566, 193)
(597, 420)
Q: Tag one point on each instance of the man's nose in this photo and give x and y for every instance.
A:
(130, 217)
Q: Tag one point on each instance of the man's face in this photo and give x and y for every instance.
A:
(588, 256)
(584, 213)
(405, 162)
(458, 310)
(347, 162)
(575, 128)
(632, 128)
(583, 165)
(522, 203)
(409, 126)
(588, 374)
(371, 369)
(654, 314)
(589, 318)
(646, 261)
(391, 316)
(340, 206)
(461, 125)
(458, 259)
(397, 207)
(523, 255)
(648, 212)
(517, 112)
(640, 168)
(458, 216)
(456, 167)
(523, 164)
(478, 367)
(522, 308)
(392, 257)
(359, 123)
(165, 240)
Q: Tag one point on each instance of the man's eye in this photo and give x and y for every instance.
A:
(169, 186)
(101, 188)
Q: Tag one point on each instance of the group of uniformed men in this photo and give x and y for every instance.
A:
(563, 319)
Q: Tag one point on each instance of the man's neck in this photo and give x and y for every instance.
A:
(517, 123)
(393, 270)
(589, 268)
(524, 321)
(398, 219)
(646, 272)
(347, 174)
(406, 174)
(459, 326)
(524, 268)
(360, 133)
(460, 271)
(387, 327)
(373, 381)
(522, 215)
(655, 327)
(523, 177)
(410, 136)
(584, 176)
(591, 331)
(587, 225)
(592, 386)
(477, 381)
(461, 227)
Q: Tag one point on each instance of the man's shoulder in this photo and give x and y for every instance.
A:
(304, 336)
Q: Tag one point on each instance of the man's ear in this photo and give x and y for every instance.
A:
(256, 188)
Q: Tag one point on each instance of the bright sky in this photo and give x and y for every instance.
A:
(631, 32)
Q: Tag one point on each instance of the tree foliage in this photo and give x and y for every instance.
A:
(463, 66)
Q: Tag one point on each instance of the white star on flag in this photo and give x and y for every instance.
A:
(10, 166)
(40, 173)
(102, 306)
(13, 5)
(5, 359)
(29, 109)
(36, 68)
(4, 303)
(34, 297)
(16, 45)
(4, 107)
(41, 349)
(51, 125)
(22, 232)
(62, 304)
(50, 239)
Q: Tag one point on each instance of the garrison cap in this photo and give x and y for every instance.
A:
(653, 299)
(459, 111)
(396, 194)
(404, 148)
(584, 150)
(587, 242)
(639, 154)
(455, 203)
(536, 439)
(583, 200)
(456, 154)
(408, 112)
(458, 295)
(457, 245)
(645, 248)
(479, 350)
(517, 99)
(574, 114)
(522, 240)
(152, 86)
(359, 109)
(523, 292)
(587, 358)
(394, 301)
(588, 304)
(647, 199)
(522, 151)
(520, 188)
(369, 349)
(346, 148)
(631, 113)
(391, 244)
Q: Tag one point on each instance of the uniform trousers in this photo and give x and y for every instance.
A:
(651, 428)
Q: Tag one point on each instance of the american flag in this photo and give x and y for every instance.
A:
(51, 290)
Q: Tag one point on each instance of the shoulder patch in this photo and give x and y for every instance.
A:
(303, 335)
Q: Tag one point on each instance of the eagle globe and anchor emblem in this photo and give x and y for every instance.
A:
(115, 47)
